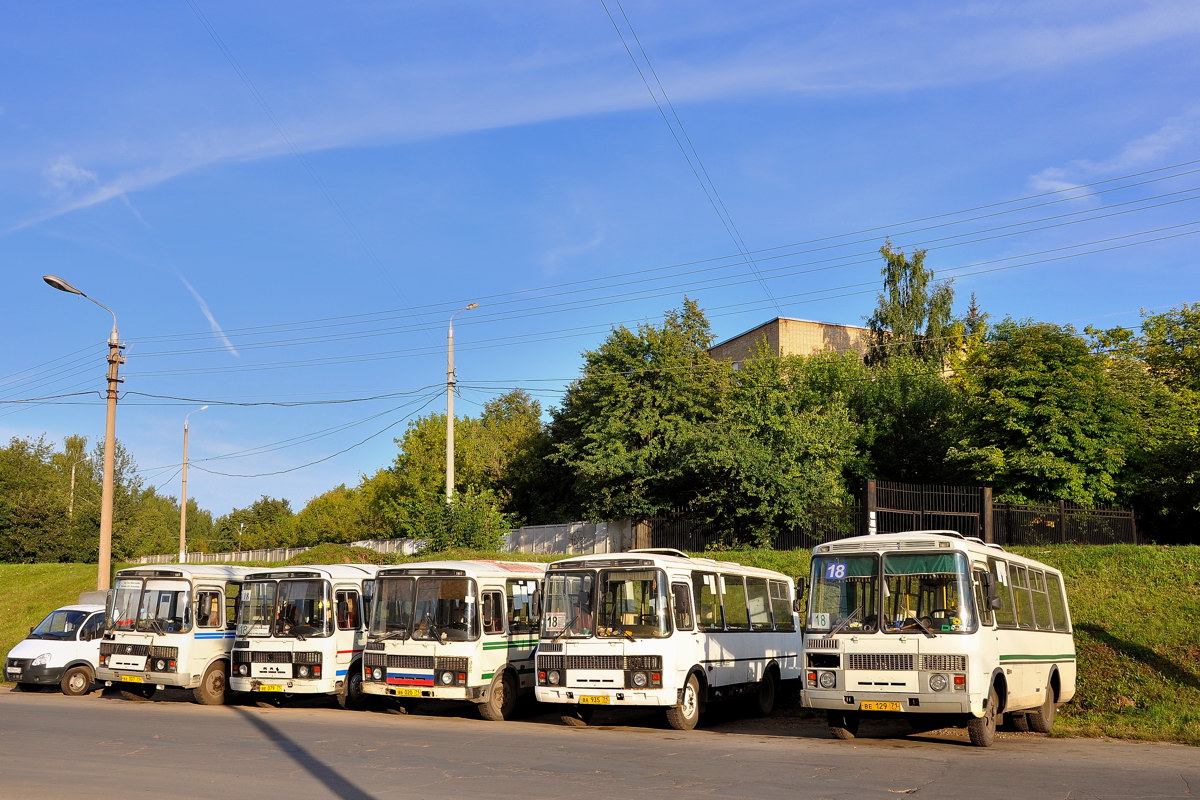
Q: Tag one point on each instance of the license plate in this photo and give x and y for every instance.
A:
(879, 705)
(269, 687)
(406, 692)
(13, 670)
(131, 679)
(593, 700)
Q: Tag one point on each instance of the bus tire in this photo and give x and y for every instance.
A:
(501, 700)
(578, 716)
(768, 691)
(77, 681)
(351, 697)
(684, 716)
(842, 724)
(982, 730)
(211, 691)
(1041, 719)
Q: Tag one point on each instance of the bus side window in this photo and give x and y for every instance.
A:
(781, 606)
(522, 606)
(232, 591)
(759, 603)
(493, 616)
(1005, 615)
(681, 598)
(208, 609)
(708, 601)
(1022, 596)
(348, 616)
(737, 616)
(987, 616)
(1041, 602)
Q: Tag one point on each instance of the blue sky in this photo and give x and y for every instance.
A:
(283, 203)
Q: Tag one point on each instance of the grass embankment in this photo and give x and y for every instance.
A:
(1136, 611)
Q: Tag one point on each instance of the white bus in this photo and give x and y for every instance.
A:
(657, 628)
(171, 626)
(931, 623)
(454, 630)
(300, 630)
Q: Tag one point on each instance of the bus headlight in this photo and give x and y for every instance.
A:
(244, 670)
(554, 677)
(446, 678)
(302, 671)
(160, 665)
(639, 680)
(938, 682)
(827, 680)
(376, 673)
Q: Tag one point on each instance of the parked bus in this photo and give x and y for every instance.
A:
(657, 628)
(171, 626)
(454, 630)
(939, 628)
(300, 630)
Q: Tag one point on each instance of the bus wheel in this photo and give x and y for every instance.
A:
(352, 696)
(684, 716)
(768, 690)
(1042, 719)
(982, 730)
(842, 724)
(211, 691)
(76, 681)
(502, 698)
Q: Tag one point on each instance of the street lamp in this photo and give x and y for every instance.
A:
(450, 402)
(115, 359)
(183, 490)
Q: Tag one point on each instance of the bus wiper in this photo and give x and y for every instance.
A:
(838, 628)
(924, 628)
(566, 627)
(402, 633)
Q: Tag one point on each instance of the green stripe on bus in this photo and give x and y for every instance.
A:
(1035, 657)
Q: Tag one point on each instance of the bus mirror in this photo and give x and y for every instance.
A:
(989, 590)
(801, 585)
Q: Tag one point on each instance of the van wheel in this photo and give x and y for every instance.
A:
(842, 724)
(684, 716)
(768, 690)
(77, 681)
(982, 730)
(1042, 719)
(211, 691)
(502, 698)
(351, 696)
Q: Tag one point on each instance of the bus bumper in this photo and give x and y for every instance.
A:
(888, 703)
(664, 698)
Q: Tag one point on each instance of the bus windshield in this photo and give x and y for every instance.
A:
(633, 604)
(925, 593)
(569, 605)
(303, 609)
(426, 608)
(152, 606)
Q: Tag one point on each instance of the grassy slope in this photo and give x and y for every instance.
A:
(1135, 609)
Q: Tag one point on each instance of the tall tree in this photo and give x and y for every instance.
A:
(1043, 419)
(914, 316)
(628, 428)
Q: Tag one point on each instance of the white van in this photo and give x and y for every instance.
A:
(63, 649)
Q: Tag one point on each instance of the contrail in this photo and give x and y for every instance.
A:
(208, 315)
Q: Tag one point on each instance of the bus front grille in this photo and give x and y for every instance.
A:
(885, 661)
(943, 663)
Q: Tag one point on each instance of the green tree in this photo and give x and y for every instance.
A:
(1043, 419)
(268, 522)
(629, 428)
(339, 515)
(913, 316)
(1169, 345)
(908, 417)
(472, 521)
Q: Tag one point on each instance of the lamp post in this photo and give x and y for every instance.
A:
(115, 359)
(450, 402)
(183, 490)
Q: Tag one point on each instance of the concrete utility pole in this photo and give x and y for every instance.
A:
(115, 360)
(183, 490)
(450, 402)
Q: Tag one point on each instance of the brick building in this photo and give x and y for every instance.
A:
(786, 337)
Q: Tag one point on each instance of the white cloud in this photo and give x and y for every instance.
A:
(1176, 139)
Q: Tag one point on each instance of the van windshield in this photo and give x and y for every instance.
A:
(60, 624)
(285, 609)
